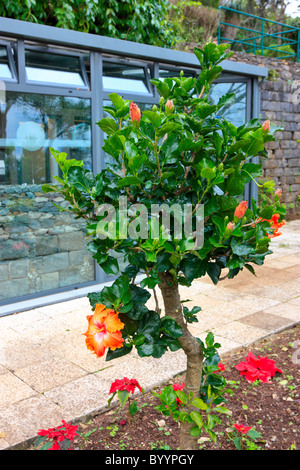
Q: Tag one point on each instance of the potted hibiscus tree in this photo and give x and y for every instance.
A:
(178, 162)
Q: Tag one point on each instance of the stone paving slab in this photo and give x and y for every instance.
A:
(47, 374)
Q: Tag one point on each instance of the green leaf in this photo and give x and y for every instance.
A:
(223, 410)
(133, 408)
(195, 431)
(120, 352)
(129, 181)
(212, 435)
(168, 395)
(214, 271)
(135, 163)
(110, 266)
(237, 443)
(250, 268)
(139, 295)
(208, 173)
(149, 326)
(167, 129)
(162, 87)
(49, 188)
(156, 349)
(120, 289)
(123, 396)
(47, 445)
(253, 434)
(170, 327)
(108, 125)
(153, 117)
(39, 440)
(198, 403)
(204, 110)
(241, 249)
(116, 100)
(81, 179)
(235, 184)
(182, 396)
(197, 418)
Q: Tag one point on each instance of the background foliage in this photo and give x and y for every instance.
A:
(165, 23)
(144, 21)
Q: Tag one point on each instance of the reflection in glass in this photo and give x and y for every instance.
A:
(169, 73)
(5, 71)
(54, 68)
(30, 124)
(43, 247)
(126, 78)
(233, 112)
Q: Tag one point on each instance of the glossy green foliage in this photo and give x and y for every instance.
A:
(180, 152)
(144, 21)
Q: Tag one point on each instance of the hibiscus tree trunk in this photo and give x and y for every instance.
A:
(192, 349)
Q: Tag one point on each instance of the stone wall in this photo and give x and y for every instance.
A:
(280, 102)
(40, 248)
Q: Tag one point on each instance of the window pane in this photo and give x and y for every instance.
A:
(166, 73)
(53, 68)
(234, 112)
(41, 248)
(127, 78)
(30, 124)
(4, 64)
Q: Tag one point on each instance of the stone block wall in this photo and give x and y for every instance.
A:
(280, 102)
(40, 248)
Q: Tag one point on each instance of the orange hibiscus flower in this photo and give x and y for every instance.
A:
(103, 330)
(276, 225)
(135, 112)
(240, 210)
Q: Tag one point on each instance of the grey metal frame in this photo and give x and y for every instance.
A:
(11, 62)
(99, 48)
(51, 50)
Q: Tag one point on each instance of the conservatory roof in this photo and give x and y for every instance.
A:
(52, 35)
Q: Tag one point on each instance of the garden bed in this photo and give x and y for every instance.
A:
(271, 409)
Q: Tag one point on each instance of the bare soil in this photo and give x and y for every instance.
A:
(272, 409)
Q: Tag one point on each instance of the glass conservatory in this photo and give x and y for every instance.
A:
(53, 84)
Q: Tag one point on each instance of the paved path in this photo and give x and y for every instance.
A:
(47, 374)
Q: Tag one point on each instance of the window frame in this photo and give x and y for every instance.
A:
(53, 51)
(11, 62)
(127, 94)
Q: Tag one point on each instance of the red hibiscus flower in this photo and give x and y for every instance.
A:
(125, 384)
(178, 387)
(221, 368)
(59, 434)
(242, 428)
(260, 368)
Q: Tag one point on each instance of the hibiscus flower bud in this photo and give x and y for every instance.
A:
(266, 125)
(135, 112)
(240, 210)
(169, 106)
(230, 226)
(278, 192)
